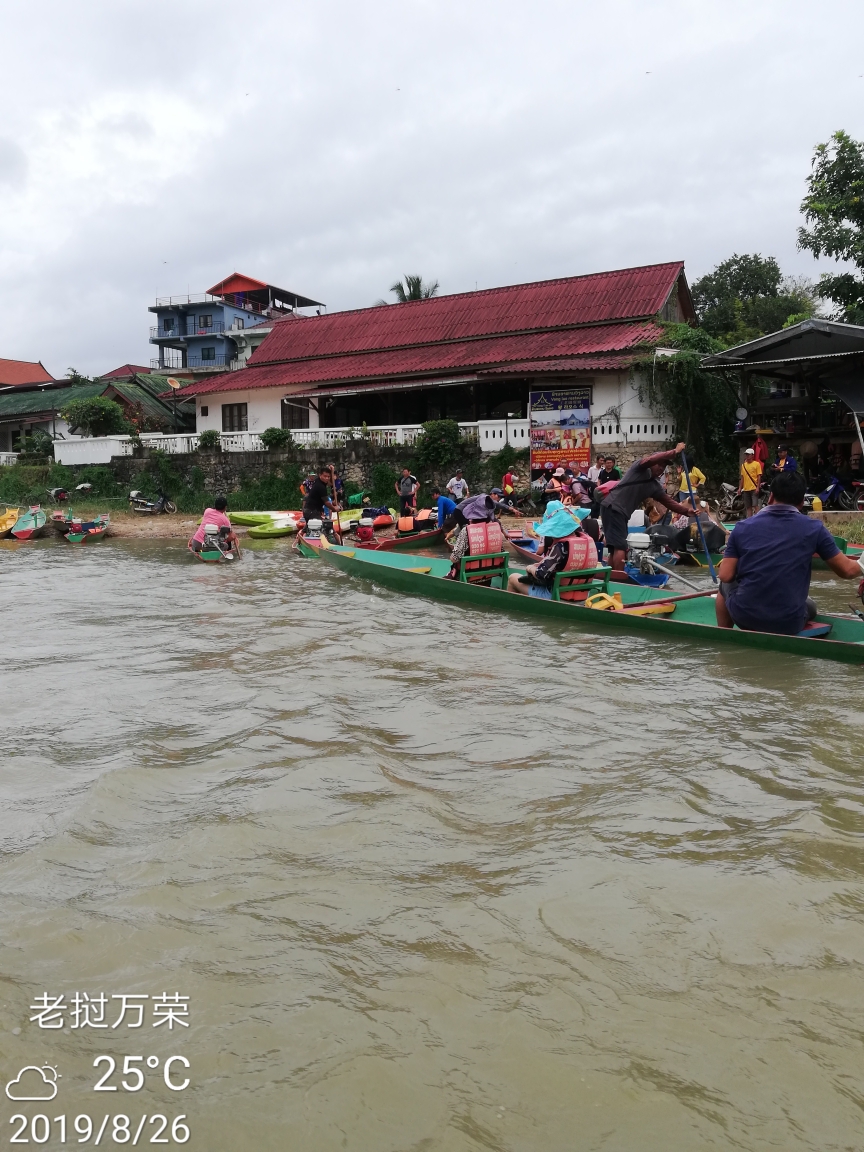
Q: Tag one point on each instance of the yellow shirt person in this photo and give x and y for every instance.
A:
(751, 475)
(697, 477)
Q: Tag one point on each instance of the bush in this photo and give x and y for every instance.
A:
(383, 480)
(209, 441)
(439, 445)
(97, 416)
(34, 449)
(276, 439)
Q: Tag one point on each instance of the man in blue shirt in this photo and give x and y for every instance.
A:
(765, 570)
(445, 506)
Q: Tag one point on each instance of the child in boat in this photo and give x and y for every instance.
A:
(553, 529)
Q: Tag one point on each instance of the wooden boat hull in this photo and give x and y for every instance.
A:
(88, 533)
(692, 619)
(31, 525)
(388, 543)
(8, 520)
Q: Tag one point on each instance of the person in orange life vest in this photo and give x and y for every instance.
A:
(565, 545)
(475, 510)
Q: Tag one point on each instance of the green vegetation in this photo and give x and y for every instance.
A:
(413, 288)
(439, 444)
(382, 492)
(97, 416)
(701, 404)
(834, 207)
(276, 439)
(209, 441)
(748, 296)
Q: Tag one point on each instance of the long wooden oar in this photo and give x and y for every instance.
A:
(698, 521)
(669, 599)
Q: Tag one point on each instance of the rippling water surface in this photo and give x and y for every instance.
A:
(433, 879)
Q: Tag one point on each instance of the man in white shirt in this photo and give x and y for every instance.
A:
(595, 469)
(457, 487)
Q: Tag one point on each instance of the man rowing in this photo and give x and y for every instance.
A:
(765, 570)
(640, 483)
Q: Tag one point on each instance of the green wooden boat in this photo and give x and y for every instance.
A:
(692, 619)
(30, 525)
(89, 531)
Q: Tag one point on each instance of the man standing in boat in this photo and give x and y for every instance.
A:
(640, 483)
(765, 570)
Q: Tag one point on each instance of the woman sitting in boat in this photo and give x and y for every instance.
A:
(565, 547)
(215, 515)
(475, 510)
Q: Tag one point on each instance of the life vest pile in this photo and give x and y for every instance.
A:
(483, 538)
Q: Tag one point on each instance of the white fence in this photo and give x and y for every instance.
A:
(490, 435)
(7, 458)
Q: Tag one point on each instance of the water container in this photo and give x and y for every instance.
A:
(817, 504)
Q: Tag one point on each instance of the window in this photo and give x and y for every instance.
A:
(234, 418)
(617, 427)
(295, 413)
(595, 429)
(208, 353)
(239, 322)
(205, 411)
(205, 321)
(652, 429)
(631, 428)
(168, 323)
(637, 428)
(666, 428)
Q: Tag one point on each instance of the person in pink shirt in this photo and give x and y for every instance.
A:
(215, 515)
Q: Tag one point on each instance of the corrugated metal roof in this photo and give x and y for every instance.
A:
(14, 372)
(45, 400)
(461, 356)
(576, 364)
(627, 294)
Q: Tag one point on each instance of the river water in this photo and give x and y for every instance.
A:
(432, 879)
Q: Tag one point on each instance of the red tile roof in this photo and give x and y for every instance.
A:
(531, 325)
(23, 372)
(125, 370)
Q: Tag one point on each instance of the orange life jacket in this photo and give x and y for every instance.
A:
(405, 524)
(424, 514)
(581, 554)
(484, 537)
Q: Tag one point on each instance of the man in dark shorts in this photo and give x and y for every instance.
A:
(317, 497)
(765, 570)
(406, 489)
(639, 484)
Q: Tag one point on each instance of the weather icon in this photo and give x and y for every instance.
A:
(34, 1083)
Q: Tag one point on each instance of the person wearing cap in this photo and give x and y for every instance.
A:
(554, 486)
(557, 524)
(784, 462)
(750, 482)
(446, 507)
(458, 487)
(501, 502)
(508, 482)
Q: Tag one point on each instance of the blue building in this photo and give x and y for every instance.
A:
(219, 329)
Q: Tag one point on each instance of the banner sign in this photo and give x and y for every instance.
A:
(560, 428)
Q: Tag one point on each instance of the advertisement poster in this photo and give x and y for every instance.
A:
(560, 426)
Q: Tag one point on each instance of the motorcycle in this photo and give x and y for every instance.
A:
(138, 502)
(837, 496)
(730, 506)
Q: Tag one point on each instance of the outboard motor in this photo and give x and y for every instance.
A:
(215, 540)
(313, 529)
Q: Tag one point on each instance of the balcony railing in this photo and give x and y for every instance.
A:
(191, 328)
(217, 361)
(169, 363)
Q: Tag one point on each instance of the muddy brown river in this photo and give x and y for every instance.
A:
(387, 875)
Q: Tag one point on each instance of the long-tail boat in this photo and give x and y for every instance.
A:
(646, 610)
(30, 525)
(389, 543)
(86, 532)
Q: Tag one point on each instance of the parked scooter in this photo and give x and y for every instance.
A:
(837, 497)
(138, 502)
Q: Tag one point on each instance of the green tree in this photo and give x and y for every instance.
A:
(748, 296)
(701, 405)
(834, 207)
(413, 288)
(76, 377)
(97, 416)
(439, 445)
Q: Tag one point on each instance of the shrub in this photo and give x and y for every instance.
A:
(35, 448)
(439, 444)
(209, 441)
(276, 439)
(97, 416)
(383, 479)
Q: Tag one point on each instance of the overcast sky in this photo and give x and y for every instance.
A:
(152, 148)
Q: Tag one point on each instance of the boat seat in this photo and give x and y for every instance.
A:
(814, 630)
(587, 580)
(494, 573)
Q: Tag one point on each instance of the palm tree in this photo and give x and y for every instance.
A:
(413, 288)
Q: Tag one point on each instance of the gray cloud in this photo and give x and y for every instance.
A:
(331, 148)
(13, 164)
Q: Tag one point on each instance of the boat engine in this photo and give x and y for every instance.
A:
(215, 540)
